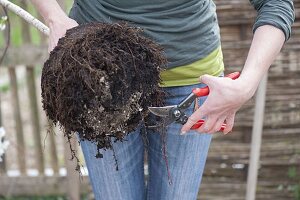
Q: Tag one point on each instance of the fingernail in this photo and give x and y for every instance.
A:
(183, 132)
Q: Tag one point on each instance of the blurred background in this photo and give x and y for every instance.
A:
(37, 164)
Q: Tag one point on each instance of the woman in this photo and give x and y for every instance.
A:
(189, 32)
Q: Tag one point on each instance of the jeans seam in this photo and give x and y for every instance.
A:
(143, 167)
(149, 176)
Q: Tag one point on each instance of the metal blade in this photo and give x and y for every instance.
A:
(166, 122)
(161, 111)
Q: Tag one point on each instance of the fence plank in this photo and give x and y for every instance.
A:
(1, 124)
(25, 55)
(53, 151)
(2, 164)
(278, 154)
(256, 139)
(18, 121)
(43, 37)
(31, 86)
(37, 185)
(35, 118)
(72, 175)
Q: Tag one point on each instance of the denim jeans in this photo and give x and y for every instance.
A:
(186, 156)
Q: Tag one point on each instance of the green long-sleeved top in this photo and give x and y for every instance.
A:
(187, 29)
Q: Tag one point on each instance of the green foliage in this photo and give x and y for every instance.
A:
(295, 188)
(292, 172)
(3, 20)
(4, 88)
(16, 37)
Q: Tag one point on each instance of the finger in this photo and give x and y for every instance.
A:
(229, 123)
(217, 126)
(208, 80)
(197, 115)
(208, 124)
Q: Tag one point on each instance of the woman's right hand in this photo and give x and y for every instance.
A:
(58, 28)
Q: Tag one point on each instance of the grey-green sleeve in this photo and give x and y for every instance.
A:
(278, 13)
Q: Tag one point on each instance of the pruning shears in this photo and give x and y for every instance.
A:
(175, 113)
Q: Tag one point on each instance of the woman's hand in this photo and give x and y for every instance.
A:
(58, 28)
(55, 18)
(225, 98)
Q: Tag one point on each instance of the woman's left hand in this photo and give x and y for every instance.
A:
(226, 95)
(224, 100)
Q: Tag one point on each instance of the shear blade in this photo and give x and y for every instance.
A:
(161, 111)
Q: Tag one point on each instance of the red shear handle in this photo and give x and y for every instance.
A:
(200, 92)
(201, 122)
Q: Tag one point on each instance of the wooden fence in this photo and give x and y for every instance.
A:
(227, 165)
(31, 174)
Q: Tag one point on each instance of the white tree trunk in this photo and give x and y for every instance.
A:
(26, 16)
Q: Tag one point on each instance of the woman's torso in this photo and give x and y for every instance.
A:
(187, 29)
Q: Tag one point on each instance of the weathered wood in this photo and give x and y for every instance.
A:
(256, 139)
(25, 28)
(35, 119)
(43, 37)
(53, 150)
(3, 163)
(29, 55)
(18, 121)
(31, 86)
(235, 151)
(3, 168)
(73, 182)
(226, 188)
(1, 123)
(212, 188)
(281, 126)
(232, 167)
(281, 134)
(37, 186)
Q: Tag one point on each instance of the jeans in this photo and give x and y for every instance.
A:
(186, 156)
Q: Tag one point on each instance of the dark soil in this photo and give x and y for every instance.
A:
(100, 80)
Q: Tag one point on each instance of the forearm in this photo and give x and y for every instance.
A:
(50, 10)
(227, 96)
(55, 18)
(266, 44)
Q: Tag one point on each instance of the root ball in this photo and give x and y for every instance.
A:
(99, 81)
